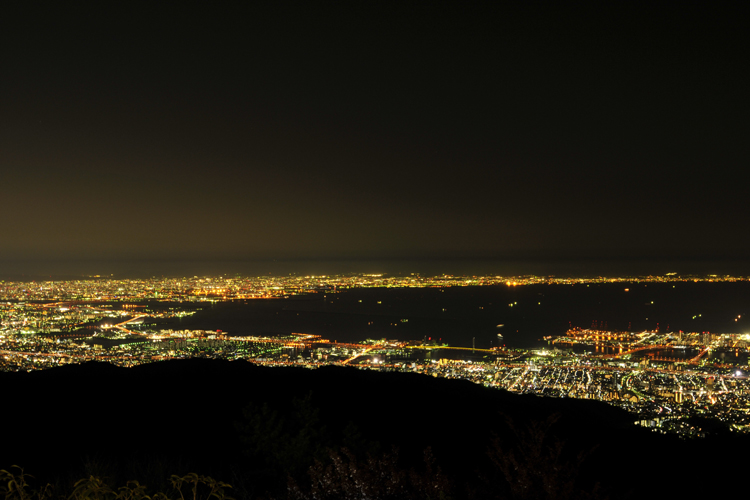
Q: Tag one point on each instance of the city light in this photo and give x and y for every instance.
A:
(648, 373)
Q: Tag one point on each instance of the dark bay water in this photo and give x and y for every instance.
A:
(459, 315)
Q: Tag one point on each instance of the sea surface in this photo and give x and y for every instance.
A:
(466, 316)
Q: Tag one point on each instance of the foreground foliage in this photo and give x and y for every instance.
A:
(381, 477)
(529, 462)
(14, 485)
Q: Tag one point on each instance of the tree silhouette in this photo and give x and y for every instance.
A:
(377, 477)
(288, 443)
(535, 464)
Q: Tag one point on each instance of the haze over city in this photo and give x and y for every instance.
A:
(397, 138)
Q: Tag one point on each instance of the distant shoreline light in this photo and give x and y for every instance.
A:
(225, 288)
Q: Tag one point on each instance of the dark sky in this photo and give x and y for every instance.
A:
(365, 132)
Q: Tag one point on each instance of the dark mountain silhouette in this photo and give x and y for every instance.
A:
(253, 426)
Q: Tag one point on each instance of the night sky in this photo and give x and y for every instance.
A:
(176, 139)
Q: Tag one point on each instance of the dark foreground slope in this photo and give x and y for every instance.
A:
(253, 426)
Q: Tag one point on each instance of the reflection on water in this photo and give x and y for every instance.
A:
(729, 356)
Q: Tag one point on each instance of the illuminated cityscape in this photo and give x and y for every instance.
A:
(664, 379)
(374, 250)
